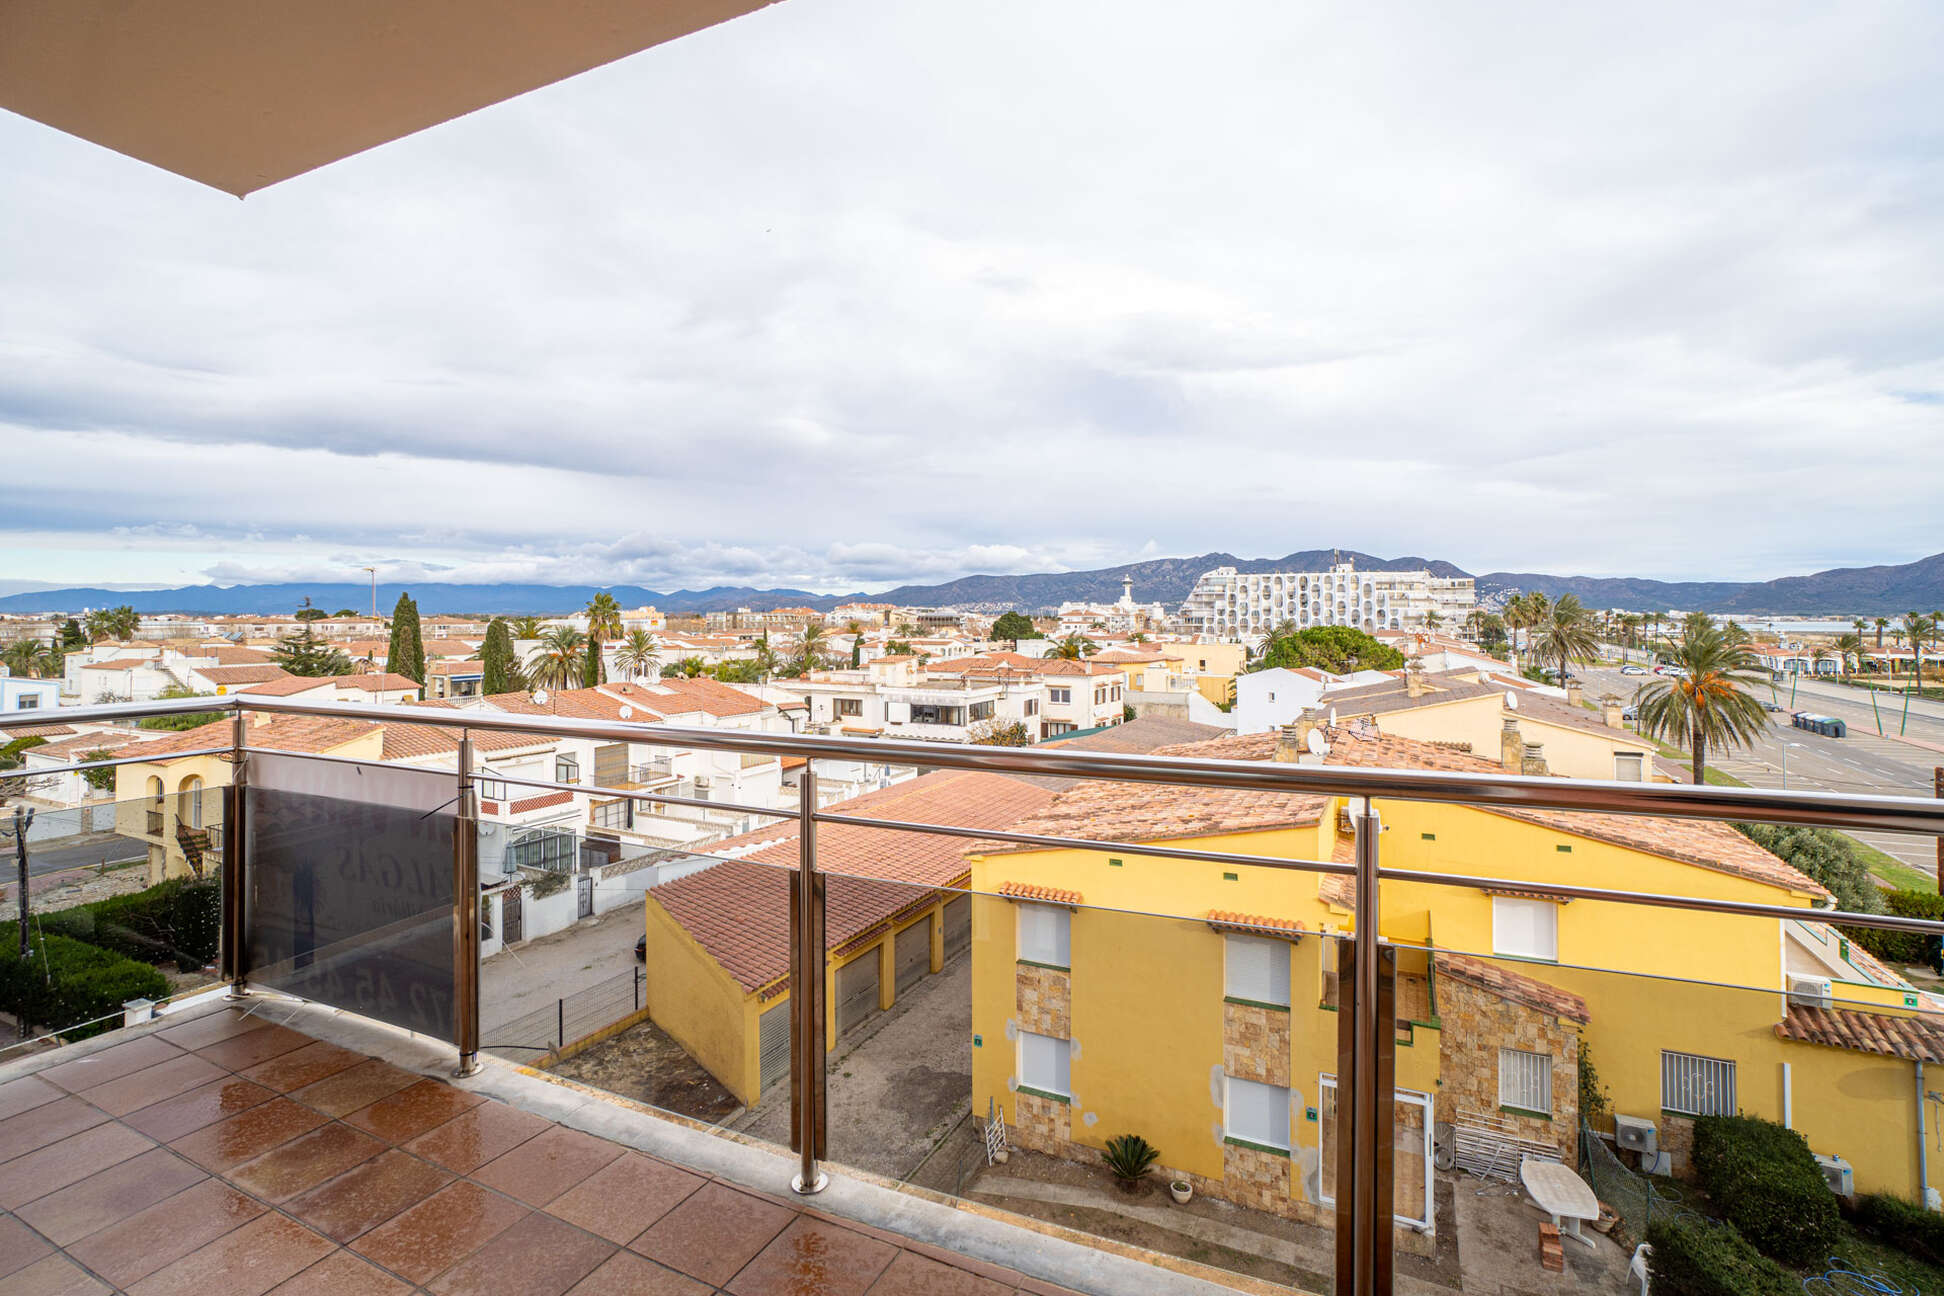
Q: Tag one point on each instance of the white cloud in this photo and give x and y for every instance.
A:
(847, 294)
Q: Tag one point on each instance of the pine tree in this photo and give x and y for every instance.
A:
(73, 637)
(591, 670)
(304, 653)
(406, 653)
(502, 672)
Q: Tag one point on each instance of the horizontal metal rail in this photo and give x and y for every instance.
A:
(21, 771)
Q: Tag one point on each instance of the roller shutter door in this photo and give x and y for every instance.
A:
(958, 925)
(773, 1044)
(857, 991)
(913, 955)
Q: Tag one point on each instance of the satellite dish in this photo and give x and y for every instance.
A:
(1511, 700)
(627, 713)
(539, 697)
(1316, 744)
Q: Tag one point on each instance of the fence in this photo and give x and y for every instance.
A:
(566, 1020)
(1634, 1197)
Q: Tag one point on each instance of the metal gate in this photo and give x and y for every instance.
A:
(512, 915)
(586, 897)
(958, 925)
(773, 1044)
(913, 951)
(857, 990)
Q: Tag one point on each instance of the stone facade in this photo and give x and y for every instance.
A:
(1044, 1125)
(1477, 1024)
(1044, 1000)
(1677, 1140)
(1258, 1180)
(1255, 1043)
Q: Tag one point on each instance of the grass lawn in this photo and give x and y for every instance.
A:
(1899, 1269)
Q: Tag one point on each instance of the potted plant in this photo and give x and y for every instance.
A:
(1181, 1190)
(1129, 1157)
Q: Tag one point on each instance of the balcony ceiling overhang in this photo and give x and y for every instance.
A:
(240, 94)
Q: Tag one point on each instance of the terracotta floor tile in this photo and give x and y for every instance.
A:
(356, 1087)
(19, 1245)
(110, 1196)
(368, 1195)
(222, 1024)
(305, 1162)
(300, 1067)
(188, 1112)
(243, 1262)
(413, 1110)
(539, 1256)
(473, 1138)
(239, 1052)
(813, 1258)
(48, 1123)
(622, 1199)
(165, 1232)
(342, 1274)
(248, 1134)
(17, 1096)
(150, 1085)
(71, 1160)
(914, 1275)
(440, 1231)
(54, 1276)
(544, 1167)
(111, 1063)
(714, 1233)
(627, 1274)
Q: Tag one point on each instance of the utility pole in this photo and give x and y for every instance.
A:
(374, 592)
(1937, 790)
(23, 819)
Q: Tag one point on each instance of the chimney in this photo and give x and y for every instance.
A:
(1292, 740)
(1511, 750)
(1610, 712)
(1574, 692)
(1413, 679)
(1533, 759)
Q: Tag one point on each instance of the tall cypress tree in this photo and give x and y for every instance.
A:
(502, 674)
(405, 655)
(591, 669)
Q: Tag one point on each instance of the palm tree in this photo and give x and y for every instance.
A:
(1522, 612)
(603, 618)
(1432, 620)
(855, 629)
(1565, 635)
(525, 627)
(1852, 648)
(637, 653)
(813, 650)
(1734, 632)
(1921, 629)
(1074, 647)
(1881, 623)
(32, 658)
(1711, 704)
(558, 660)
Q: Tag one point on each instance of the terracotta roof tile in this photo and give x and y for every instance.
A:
(1028, 891)
(241, 674)
(1915, 1038)
(1516, 986)
(279, 733)
(1245, 924)
(288, 686)
(375, 682)
(36, 731)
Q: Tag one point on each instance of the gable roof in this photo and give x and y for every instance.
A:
(257, 674)
(1515, 986)
(1919, 1039)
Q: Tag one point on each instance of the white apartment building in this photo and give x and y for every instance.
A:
(1233, 605)
(894, 696)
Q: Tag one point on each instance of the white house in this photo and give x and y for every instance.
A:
(18, 693)
(1270, 699)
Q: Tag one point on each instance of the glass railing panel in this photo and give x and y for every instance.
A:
(124, 903)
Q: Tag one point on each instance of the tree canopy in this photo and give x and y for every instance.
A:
(1337, 649)
(406, 654)
(501, 668)
(1014, 626)
(303, 653)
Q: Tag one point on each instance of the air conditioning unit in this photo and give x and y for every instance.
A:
(1837, 1174)
(1810, 992)
(1636, 1135)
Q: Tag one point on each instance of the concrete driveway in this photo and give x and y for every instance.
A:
(532, 975)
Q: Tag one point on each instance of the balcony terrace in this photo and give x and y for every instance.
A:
(879, 1045)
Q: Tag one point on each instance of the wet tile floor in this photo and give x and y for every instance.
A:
(229, 1156)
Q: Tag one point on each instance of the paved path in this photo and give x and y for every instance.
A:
(532, 975)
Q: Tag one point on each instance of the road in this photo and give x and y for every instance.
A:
(532, 976)
(1862, 762)
(63, 853)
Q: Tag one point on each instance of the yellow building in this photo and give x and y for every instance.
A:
(1212, 1034)
(718, 953)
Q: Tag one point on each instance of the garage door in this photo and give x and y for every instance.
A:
(857, 990)
(773, 1043)
(913, 955)
(958, 924)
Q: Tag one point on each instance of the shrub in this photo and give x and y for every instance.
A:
(179, 920)
(1828, 857)
(1904, 947)
(63, 982)
(1903, 1224)
(1693, 1256)
(1130, 1157)
(1766, 1182)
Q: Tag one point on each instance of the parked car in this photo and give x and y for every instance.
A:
(641, 948)
(1633, 670)
(1773, 706)
(1631, 713)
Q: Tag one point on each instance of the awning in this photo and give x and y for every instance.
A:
(239, 94)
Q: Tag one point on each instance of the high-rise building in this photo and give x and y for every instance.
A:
(1228, 604)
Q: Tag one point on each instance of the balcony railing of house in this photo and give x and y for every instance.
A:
(401, 943)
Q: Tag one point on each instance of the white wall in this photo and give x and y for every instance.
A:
(1269, 699)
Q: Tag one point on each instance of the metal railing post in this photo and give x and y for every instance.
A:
(236, 954)
(465, 917)
(807, 1133)
(1366, 1075)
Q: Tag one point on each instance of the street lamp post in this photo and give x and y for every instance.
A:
(374, 592)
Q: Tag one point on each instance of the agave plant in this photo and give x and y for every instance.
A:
(1130, 1157)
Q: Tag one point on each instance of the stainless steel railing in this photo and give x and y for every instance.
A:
(1366, 1036)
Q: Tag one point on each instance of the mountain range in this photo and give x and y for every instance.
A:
(1848, 591)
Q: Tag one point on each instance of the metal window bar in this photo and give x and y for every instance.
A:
(1367, 987)
(1693, 1085)
(1525, 1080)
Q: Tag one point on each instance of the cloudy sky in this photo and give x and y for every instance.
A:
(853, 292)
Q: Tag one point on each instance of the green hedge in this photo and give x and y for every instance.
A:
(177, 921)
(1766, 1182)
(1904, 1225)
(1827, 856)
(1904, 947)
(66, 981)
(1693, 1256)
